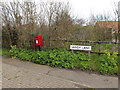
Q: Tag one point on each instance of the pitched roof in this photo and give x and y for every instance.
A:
(108, 24)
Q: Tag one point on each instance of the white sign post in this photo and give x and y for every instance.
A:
(79, 47)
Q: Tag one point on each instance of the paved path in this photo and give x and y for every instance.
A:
(23, 74)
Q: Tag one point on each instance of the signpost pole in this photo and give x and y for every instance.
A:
(73, 51)
(88, 53)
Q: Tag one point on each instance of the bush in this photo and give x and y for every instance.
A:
(105, 64)
(108, 63)
(5, 52)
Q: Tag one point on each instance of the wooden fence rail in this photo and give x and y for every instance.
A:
(99, 42)
(97, 46)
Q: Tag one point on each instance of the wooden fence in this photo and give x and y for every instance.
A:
(97, 46)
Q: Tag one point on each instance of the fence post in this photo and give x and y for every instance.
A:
(99, 46)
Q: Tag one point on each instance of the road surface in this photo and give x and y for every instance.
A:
(24, 74)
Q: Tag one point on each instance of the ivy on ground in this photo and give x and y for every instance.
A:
(104, 64)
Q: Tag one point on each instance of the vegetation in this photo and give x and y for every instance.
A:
(104, 64)
(53, 20)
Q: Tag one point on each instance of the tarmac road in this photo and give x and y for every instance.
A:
(23, 74)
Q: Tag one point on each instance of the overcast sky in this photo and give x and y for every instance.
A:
(86, 7)
(83, 8)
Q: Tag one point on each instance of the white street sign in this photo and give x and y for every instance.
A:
(79, 47)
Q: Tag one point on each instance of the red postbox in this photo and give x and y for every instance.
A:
(38, 39)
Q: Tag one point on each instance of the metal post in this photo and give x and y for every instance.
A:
(73, 51)
(39, 48)
(88, 53)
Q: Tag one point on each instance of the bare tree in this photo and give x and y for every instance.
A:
(98, 17)
(115, 11)
(58, 19)
(80, 21)
(23, 19)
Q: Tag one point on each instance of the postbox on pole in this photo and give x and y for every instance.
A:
(38, 40)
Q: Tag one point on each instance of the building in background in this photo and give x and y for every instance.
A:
(110, 27)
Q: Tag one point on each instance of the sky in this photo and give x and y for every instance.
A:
(84, 8)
